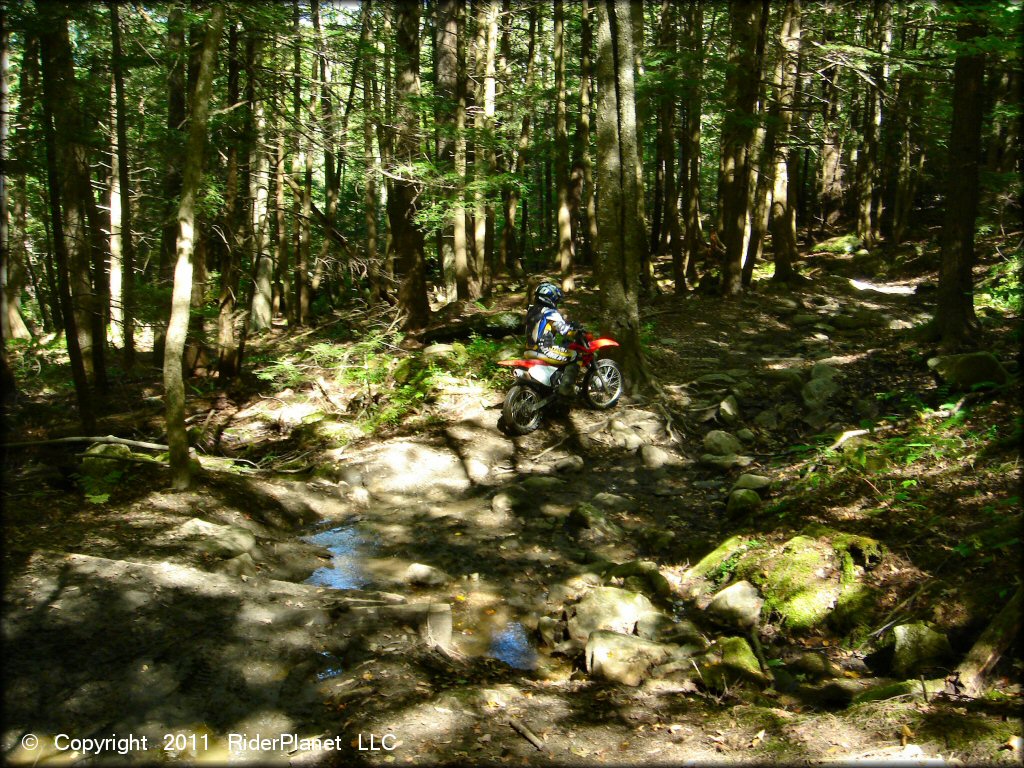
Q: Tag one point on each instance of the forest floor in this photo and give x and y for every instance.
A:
(291, 593)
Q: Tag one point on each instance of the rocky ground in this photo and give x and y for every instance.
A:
(661, 583)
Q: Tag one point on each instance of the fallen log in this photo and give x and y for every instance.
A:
(989, 648)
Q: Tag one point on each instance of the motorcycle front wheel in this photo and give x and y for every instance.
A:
(520, 410)
(602, 386)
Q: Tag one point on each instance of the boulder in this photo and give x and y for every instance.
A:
(541, 484)
(738, 605)
(611, 501)
(752, 483)
(99, 468)
(569, 464)
(725, 462)
(573, 588)
(919, 648)
(816, 393)
(742, 501)
(823, 371)
(240, 565)
(728, 662)
(622, 658)
(791, 378)
(652, 580)
(654, 457)
(720, 443)
(587, 516)
(745, 435)
(425, 575)
(767, 419)
(609, 608)
(729, 410)
(225, 541)
(969, 370)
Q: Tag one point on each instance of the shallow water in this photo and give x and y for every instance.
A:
(512, 646)
(345, 571)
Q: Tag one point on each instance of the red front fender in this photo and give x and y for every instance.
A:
(603, 342)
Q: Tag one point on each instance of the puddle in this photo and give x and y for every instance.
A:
(345, 571)
(331, 666)
(512, 646)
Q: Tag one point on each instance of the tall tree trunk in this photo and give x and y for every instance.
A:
(261, 312)
(783, 212)
(620, 227)
(76, 191)
(831, 181)
(121, 225)
(564, 234)
(19, 249)
(868, 166)
(588, 206)
(174, 388)
(691, 156)
(671, 231)
(54, 95)
(446, 85)
(955, 321)
(742, 78)
(760, 169)
(405, 190)
(466, 283)
(12, 274)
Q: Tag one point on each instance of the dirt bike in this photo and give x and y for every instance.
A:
(539, 385)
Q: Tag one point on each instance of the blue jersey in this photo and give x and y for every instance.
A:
(542, 324)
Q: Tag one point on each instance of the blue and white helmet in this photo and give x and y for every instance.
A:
(548, 294)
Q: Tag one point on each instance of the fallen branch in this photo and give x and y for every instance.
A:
(527, 734)
(107, 439)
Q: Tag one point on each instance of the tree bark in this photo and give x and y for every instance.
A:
(446, 86)
(406, 234)
(53, 93)
(693, 100)
(121, 225)
(783, 212)
(989, 648)
(177, 326)
(588, 206)
(742, 78)
(564, 218)
(955, 321)
(620, 227)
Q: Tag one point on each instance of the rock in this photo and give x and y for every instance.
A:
(99, 468)
(652, 580)
(569, 464)
(611, 501)
(438, 352)
(745, 435)
(751, 483)
(587, 516)
(969, 370)
(823, 371)
(767, 419)
(729, 410)
(817, 392)
(918, 648)
(814, 664)
(550, 631)
(742, 501)
(790, 377)
(240, 565)
(725, 462)
(717, 378)
(426, 575)
(721, 443)
(573, 588)
(541, 484)
(738, 605)
(654, 457)
(729, 661)
(847, 322)
(506, 501)
(629, 440)
(610, 608)
(406, 368)
(737, 654)
(622, 658)
(224, 541)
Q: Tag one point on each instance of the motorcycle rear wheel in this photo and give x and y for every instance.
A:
(602, 386)
(520, 409)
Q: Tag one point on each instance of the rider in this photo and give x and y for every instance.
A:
(543, 323)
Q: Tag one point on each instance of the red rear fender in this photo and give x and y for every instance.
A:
(521, 363)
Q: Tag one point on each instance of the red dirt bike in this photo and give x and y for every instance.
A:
(539, 385)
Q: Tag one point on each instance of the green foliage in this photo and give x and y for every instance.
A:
(842, 244)
(1001, 288)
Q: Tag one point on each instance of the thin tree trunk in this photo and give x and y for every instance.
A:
(446, 85)
(52, 103)
(174, 389)
(691, 143)
(742, 78)
(406, 233)
(466, 284)
(783, 212)
(564, 234)
(122, 223)
(583, 160)
(955, 321)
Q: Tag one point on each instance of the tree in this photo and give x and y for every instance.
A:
(564, 219)
(181, 296)
(955, 321)
(741, 84)
(620, 227)
(407, 237)
(783, 211)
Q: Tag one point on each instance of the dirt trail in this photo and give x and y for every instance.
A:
(120, 620)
